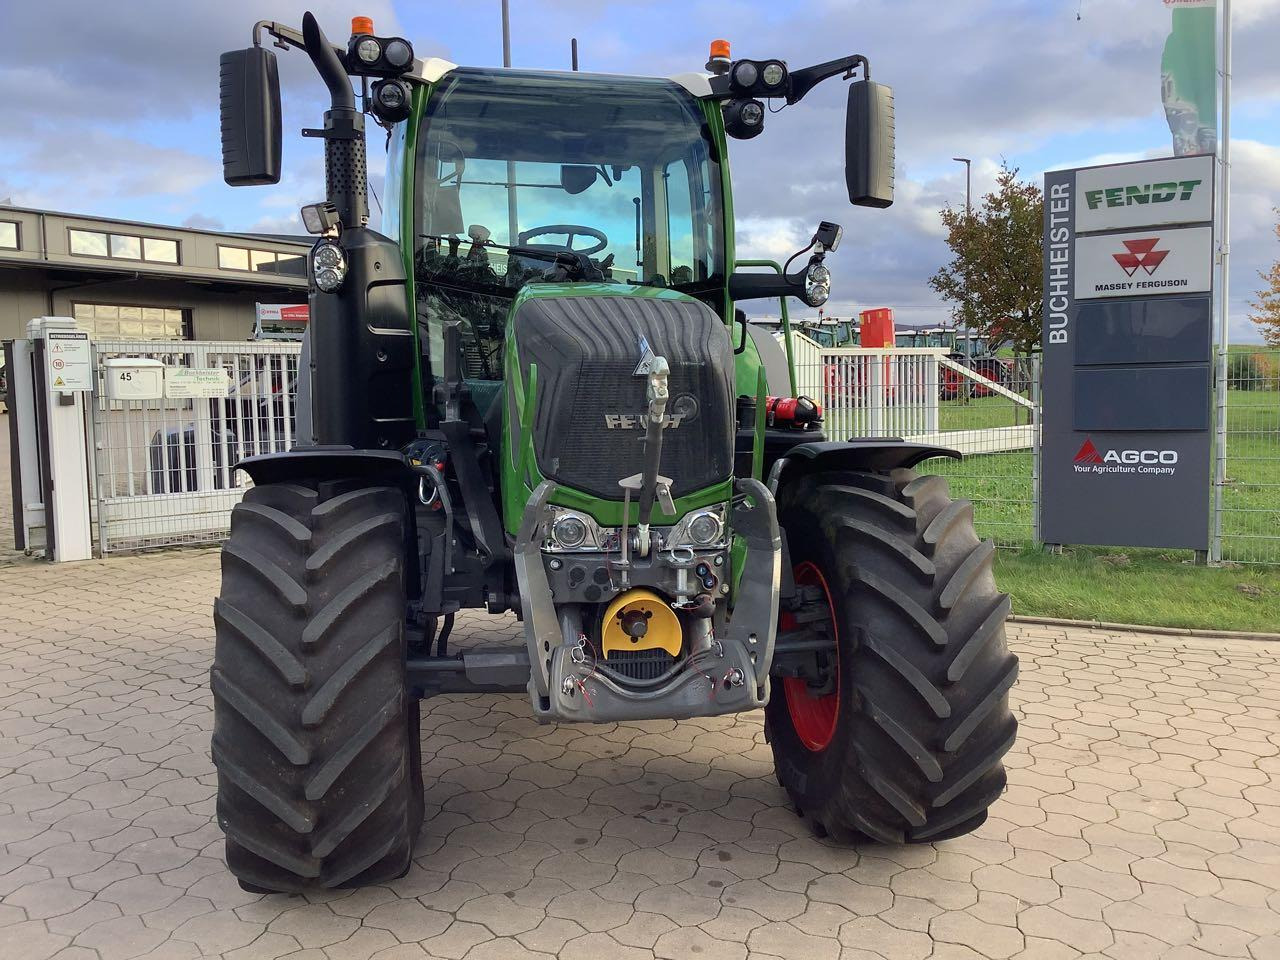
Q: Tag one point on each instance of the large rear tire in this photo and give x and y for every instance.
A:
(313, 735)
(907, 743)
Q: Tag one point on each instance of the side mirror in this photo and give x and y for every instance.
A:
(250, 108)
(868, 144)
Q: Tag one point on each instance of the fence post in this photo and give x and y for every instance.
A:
(95, 402)
(201, 415)
(875, 381)
(1219, 454)
(1034, 371)
(933, 392)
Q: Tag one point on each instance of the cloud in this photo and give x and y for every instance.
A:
(123, 119)
(79, 172)
(199, 221)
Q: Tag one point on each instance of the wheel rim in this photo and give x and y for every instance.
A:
(813, 718)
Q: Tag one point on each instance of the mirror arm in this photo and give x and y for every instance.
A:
(802, 81)
(757, 286)
(286, 37)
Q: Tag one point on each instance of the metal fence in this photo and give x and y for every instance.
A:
(163, 469)
(989, 411)
(871, 392)
(1250, 518)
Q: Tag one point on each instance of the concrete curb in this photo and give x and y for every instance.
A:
(1139, 628)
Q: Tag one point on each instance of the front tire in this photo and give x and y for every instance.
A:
(313, 734)
(905, 741)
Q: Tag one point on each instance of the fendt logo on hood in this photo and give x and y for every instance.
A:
(639, 421)
(1089, 459)
(1140, 254)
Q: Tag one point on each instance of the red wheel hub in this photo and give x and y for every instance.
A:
(813, 717)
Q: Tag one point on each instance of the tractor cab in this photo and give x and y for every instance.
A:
(534, 178)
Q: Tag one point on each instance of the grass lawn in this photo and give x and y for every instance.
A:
(1139, 586)
(1000, 484)
(1133, 586)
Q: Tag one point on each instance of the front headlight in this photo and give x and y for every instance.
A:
(817, 285)
(569, 531)
(773, 73)
(328, 266)
(704, 528)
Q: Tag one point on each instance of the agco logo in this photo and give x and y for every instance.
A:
(1140, 254)
(1141, 194)
(1089, 459)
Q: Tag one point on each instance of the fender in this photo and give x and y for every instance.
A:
(860, 453)
(334, 462)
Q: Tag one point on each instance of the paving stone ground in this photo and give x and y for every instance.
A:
(1142, 818)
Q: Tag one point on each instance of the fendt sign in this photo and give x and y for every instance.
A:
(1151, 193)
(1125, 445)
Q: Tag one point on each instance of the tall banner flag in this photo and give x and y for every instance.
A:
(1189, 76)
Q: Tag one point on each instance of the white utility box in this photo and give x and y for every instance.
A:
(134, 378)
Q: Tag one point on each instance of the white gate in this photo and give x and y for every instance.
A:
(871, 392)
(164, 468)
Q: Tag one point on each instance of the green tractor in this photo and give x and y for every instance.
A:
(532, 394)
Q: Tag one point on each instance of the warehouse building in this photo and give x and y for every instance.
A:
(127, 280)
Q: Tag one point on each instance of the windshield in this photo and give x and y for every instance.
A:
(526, 177)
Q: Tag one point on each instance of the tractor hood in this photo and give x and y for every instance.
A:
(590, 344)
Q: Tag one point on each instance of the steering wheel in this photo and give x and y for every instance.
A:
(571, 229)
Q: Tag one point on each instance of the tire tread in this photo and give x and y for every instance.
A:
(924, 719)
(318, 780)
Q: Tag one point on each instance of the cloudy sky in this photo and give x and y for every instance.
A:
(111, 108)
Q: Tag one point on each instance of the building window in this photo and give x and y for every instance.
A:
(122, 246)
(291, 266)
(115, 321)
(88, 243)
(261, 261)
(156, 250)
(8, 235)
(125, 248)
(233, 258)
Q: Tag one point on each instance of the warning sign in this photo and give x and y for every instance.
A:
(184, 382)
(69, 360)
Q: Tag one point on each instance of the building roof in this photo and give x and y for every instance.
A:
(301, 240)
(55, 242)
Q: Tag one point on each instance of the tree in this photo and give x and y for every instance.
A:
(1266, 309)
(995, 279)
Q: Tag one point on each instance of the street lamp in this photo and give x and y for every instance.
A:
(968, 212)
(968, 184)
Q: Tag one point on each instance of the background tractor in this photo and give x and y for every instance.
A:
(532, 393)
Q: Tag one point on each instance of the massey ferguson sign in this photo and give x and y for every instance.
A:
(1128, 261)
(1144, 263)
